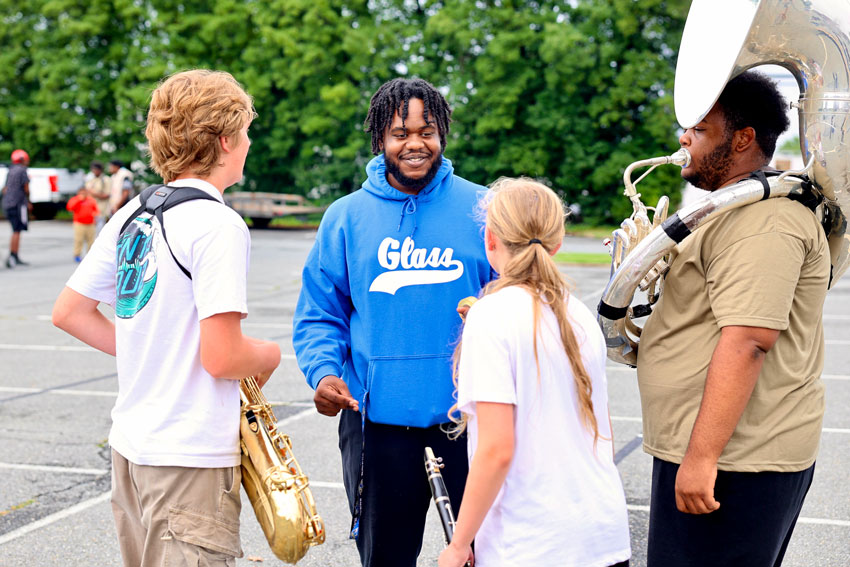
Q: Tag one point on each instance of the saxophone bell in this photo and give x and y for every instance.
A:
(273, 480)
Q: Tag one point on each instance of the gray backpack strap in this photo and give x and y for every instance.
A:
(157, 199)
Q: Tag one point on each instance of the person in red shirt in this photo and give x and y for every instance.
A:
(85, 211)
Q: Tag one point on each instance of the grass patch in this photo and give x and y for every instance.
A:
(593, 258)
(301, 221)
(290, 221)
(591, 231)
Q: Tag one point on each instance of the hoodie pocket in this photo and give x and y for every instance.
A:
(415, 390)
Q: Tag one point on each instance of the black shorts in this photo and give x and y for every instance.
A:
(751, 528)
(17, 217)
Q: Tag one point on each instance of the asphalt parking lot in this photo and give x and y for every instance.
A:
(56, 395)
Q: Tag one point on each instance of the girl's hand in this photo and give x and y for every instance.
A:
(464, 305)
(455, 556)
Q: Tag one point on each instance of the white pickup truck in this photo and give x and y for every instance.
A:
(50, 188)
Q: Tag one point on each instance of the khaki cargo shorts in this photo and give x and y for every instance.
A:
(176, 516)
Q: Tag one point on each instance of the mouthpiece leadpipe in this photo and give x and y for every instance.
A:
(681, 158)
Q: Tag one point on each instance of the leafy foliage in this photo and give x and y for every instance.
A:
(569, 91)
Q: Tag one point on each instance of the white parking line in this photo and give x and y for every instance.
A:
(52, 468)
(47, 520)
(803, 520)
(300, 415)
(322, 484)
(52, 518)
(74, 348)
(61, 392)
(268, 325)
(594, 295)
(824, 522)
(314, 483)
(632, 507)
(107, 394)
(82, 348)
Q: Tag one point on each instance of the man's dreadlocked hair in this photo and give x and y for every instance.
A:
(395, 95)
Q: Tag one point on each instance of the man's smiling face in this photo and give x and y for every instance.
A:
(412, 150)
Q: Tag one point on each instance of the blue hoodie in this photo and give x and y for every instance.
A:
(380, 290)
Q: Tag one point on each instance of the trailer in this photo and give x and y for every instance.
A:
(263, 207)
(50, 188)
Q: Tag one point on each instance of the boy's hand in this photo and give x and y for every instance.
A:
(264, 374)
(262, 377)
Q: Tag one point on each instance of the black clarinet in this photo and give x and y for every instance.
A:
(441, 494)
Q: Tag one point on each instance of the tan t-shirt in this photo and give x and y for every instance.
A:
(762, 265)
(101, 186)
(120, 180)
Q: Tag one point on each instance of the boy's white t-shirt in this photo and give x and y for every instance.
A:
(561, 503)
(170, 411)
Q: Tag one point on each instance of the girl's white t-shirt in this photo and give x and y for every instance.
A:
(170, 411)
(562, 502)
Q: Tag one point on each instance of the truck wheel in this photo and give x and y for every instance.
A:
(260, 223)
(43, 211)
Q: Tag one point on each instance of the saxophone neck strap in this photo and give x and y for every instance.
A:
(157, 199)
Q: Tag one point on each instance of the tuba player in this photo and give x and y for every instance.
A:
(730, 360)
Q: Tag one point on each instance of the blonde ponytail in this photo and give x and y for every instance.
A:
(528, 218)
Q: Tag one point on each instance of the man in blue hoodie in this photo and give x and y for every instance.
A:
(375, 324)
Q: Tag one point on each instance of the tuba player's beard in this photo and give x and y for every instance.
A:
(712, 171)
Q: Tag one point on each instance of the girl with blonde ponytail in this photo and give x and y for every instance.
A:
(542, 486)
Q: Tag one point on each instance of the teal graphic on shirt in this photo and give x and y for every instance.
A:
(135, 278)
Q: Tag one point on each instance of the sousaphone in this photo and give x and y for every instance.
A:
(723, 38)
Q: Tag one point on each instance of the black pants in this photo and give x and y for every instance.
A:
(751, 528)
(396, 493)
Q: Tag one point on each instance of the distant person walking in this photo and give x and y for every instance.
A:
(98, 186)
(85, 211)
(16, 203)
(121, 185)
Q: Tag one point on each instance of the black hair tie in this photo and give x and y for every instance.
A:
(534, 241)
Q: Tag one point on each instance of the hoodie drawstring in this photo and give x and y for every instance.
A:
(409, 208)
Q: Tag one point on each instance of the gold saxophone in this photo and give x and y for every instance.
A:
(277, 488)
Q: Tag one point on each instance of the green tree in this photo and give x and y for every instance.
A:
(70, 90)
(571, 92)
